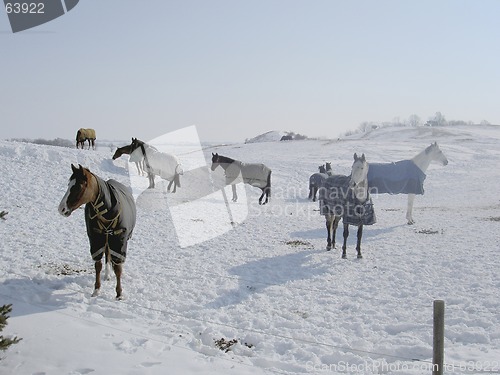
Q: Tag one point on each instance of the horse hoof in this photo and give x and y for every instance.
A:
(344, 256)
(360, 256)
(119, 298)
(95, 293)
(328, 247)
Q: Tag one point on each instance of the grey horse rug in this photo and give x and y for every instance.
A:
(401, 177)
(253, 174)
(110, 220)
(337, 198)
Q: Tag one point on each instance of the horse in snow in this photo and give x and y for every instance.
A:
(110, 214)
(83, 135)
(405, 176)
(254, 174)
(162, 164)
(347, 198)
(316, 180)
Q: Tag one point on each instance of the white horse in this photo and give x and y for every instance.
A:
(405, 176)
(162, 164)
(347, 198)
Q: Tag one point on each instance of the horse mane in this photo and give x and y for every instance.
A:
(225, 159)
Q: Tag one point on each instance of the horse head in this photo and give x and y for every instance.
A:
(215, 161)
(359, 171)
(435, 153)
(117, 154)
(81, 190)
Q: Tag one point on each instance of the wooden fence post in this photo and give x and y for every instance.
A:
(438, 344)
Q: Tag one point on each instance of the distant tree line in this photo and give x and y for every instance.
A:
(39, 141)
(59, 142)
(413, 121)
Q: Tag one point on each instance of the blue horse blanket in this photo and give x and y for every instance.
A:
(401, 177)
(336, 198)
(110, 220)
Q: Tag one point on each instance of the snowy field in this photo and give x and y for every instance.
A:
(267, 288)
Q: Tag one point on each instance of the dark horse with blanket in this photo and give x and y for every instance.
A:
(347, 198)
(110, 215)
(254, 174)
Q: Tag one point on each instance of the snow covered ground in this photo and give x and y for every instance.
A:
(269, 284)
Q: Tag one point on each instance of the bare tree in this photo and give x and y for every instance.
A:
(414, 121)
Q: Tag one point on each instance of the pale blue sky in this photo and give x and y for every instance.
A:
(238, 68)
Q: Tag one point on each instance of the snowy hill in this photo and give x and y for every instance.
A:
(270, 136)
(267, 282)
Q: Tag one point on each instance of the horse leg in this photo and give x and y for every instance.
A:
(329, 223)
(97, 286)
(358, 245)
(310, 192)
(315, 191)
(177, 181)
(235, 196)
(262, 196)
(170, 185)
(409, 210)
(151, 178)
(118, 273)
(344, 246)
(107, 275)
(336, 221)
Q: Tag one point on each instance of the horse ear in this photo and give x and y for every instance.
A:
(363, 158)
(213, 154)
(73, 168)
(355, 156)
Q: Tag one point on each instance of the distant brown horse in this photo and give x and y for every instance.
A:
(83, 135)
(127, 150)
(110, 214)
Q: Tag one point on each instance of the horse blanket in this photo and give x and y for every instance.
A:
(110, 220)
(161, 164)
(317, 179)
(401, 177)
(253, 174)
(84, 134)
(337, 198)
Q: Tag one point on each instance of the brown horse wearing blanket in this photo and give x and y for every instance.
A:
(257, 175)
(110, 214)
(83, 135)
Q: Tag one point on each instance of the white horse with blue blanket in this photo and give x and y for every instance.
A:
(405, 176)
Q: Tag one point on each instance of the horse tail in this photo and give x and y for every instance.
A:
(148, 167)
(177, 175)
(177, 179)
(78, 136)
